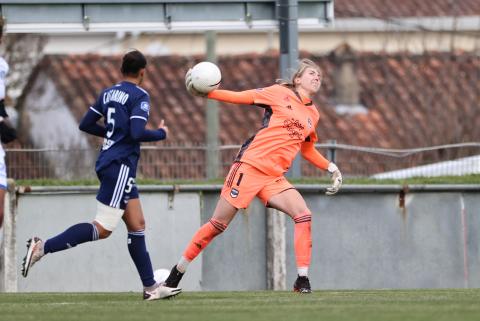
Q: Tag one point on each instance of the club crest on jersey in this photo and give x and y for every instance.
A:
(234, 193)
(309, 121)
(145, 107)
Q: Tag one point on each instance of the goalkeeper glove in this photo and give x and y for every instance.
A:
(189, 85)
(336, 179)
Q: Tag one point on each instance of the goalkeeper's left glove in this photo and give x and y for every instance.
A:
(336, 179)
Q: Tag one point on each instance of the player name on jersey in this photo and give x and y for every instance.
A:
(116, 95)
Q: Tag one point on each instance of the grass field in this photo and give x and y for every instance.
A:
(465, 179)
(373, 305)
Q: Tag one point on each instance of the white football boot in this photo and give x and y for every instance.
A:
(34, 254)
(161, 292)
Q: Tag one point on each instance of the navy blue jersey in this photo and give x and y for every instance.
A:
(118, 105)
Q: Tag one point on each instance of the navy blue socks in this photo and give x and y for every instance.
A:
(140, 256)
(74, 235)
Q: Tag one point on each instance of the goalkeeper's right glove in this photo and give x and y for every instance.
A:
(189, 85)
(336, 179)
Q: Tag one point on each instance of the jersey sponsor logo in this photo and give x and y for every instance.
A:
(107, 143)
(234, 193)
(289, 107)
(294, 128)
(116, 95)
(145, 107)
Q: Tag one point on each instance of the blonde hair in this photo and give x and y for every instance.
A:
(302, 66)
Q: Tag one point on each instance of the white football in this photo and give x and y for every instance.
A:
(206, 76)
(161, 275)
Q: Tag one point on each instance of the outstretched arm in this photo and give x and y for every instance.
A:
(235, 97)
(140, 134)
(89, 124)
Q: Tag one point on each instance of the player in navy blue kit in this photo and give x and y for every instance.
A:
(125, 109)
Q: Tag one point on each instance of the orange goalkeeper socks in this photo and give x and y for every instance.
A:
(303, 241)
(203, 237)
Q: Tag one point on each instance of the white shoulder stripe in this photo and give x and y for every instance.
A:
(96, 111)
(143, 90)
(139, 117)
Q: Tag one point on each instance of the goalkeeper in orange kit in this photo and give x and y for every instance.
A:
(289, 124)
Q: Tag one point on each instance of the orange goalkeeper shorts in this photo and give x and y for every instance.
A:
(244, 182)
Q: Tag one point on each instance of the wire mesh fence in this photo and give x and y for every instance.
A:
(188, 162)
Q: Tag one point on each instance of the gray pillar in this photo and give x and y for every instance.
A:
(276, 250)
(288, 31)
(8, 255)
(332, 151)
(211, 115)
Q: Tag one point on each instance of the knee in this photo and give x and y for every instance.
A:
(304, 215)
(138, 225)
(102, 232)
(218, 225)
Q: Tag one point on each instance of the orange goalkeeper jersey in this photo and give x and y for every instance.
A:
(288, 121)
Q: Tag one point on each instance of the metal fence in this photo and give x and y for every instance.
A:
(188, 162)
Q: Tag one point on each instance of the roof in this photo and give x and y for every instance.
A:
(405, 8)
(412, 100)
(458, 167)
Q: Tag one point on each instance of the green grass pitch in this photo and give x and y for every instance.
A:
(372, 305)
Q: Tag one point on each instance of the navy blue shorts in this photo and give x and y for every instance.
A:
(117, 185)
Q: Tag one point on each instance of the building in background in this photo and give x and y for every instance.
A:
(389, 100)
(398, 74)
(366, 25)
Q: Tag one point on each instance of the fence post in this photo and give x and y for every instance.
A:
(276, 250)
(212, 118)
(8, 268)
(332, 151)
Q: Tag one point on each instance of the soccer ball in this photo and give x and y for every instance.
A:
(206, 77)
(161, 275)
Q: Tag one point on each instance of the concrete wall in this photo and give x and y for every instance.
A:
(104, 265)
(367, 241)
(362, 238)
